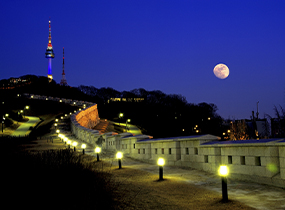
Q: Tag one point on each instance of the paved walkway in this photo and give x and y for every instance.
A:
(259, 196)
(24, 128)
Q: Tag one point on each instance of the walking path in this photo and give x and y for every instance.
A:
(258, 196)
(25, 127)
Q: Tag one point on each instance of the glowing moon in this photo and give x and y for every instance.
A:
(221, 71)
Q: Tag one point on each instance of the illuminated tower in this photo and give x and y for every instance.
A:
(49, 54)
(63, 80)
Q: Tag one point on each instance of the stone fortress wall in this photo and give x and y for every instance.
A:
(261, 161)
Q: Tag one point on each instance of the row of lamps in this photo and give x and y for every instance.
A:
(223, 170)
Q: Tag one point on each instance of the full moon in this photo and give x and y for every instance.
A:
(221, 71)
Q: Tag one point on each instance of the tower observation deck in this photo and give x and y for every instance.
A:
(49, 54)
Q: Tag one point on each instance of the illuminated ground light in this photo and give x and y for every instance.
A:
(223, 172)
(74, 144)
(83, 146)
(160, 163)
(119, 156)
(68, 143)
(97, 151)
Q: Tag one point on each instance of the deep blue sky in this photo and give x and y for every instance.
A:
(164, 45)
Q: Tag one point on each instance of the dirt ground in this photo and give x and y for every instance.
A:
(137, 189)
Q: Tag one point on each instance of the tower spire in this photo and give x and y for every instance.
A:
(63, 80)
(49, 54)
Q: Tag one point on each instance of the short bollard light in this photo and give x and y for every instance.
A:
(119, 156)
(97, 151)
(65, 139)
(57, 131)
(161, 163)
(68, 143)
(83, 146)
(74, 144)
(223, 172)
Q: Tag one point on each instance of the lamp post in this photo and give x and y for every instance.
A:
(119, 156)
(129, 120)
(26, 107)
(57, 131)
(97, 150)
(74, 144)
(83, 146)
(223, 172)
(161, 163)
(120, 116)
(68, 143)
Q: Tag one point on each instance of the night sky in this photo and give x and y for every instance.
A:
(172, 46)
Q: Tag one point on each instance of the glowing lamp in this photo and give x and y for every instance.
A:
(27, 107)
(223, 172)
(61, 117)
(65, 139)
(74, 111)
(57, 131)
(119, 156)
(160, 162)
(55, 124)
(83, 146)
(65, 115)
(21, 111)
(97, 149)
(6, 115)
(121, 115)
(74, 144)
(56, 120)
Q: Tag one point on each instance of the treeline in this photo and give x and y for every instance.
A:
(40, 85)
(158, 114)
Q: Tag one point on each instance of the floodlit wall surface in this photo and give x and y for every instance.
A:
(261, 161)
